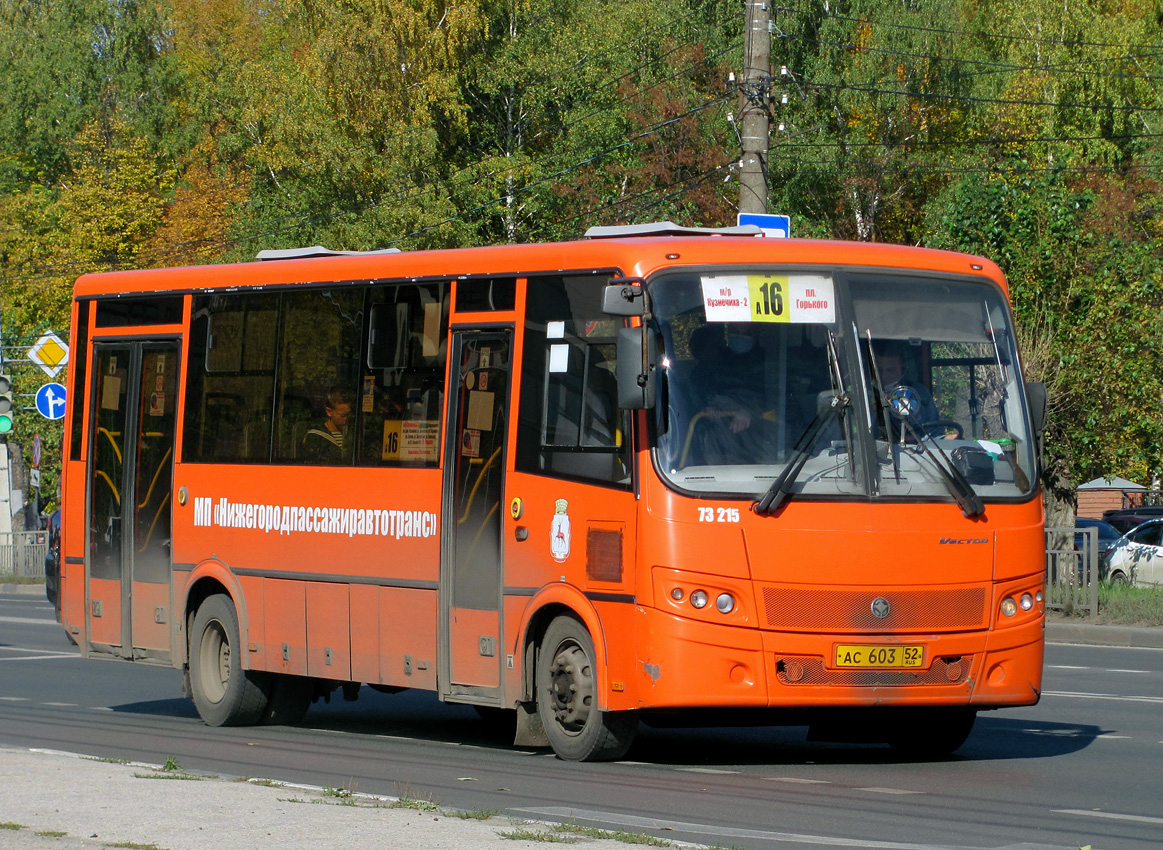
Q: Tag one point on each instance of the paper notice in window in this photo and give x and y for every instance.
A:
(480, 410)
(110, 392)
(794, 299)
(431, 344)
(558, 358)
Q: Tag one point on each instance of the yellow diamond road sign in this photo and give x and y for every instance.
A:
(50, 353)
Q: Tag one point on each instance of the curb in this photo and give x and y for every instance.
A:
(1145, 637)
(23, 589)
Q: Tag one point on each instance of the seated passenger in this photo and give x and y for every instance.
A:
(327, 442)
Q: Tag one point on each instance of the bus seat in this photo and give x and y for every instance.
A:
(297, 416)
(224, 422)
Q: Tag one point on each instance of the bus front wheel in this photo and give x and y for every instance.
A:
(224, 693)
(567, 700)
(931, 733)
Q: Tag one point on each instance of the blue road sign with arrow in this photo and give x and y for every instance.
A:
(50, 401)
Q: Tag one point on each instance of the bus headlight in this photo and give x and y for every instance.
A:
(1026, 602)
(1009, 607)
(699, 599)
(725, 602)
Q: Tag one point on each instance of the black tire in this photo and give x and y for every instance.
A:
(290, 700)
(224, 693)
(1119, 579)
(499, 723)
(931, 733)
(567, 698)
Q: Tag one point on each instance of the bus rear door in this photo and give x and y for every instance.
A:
(130, 472)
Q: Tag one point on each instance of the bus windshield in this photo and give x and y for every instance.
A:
(832, 385)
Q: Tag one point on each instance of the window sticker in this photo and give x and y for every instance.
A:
(559, 358)
(794, 299)
(555, 330)
(470, 443)
(559, 531)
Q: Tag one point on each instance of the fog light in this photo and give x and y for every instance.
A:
(1038, 596)
(1009, 607)
(725, 602)
(699, 599)
(676, 594)
(1027, 602)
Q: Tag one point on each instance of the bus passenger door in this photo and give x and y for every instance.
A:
(474, 487)
(128, 605)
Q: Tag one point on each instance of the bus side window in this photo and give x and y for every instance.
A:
(319, 358)
(402, 384)
(231, 378)
(569, 423)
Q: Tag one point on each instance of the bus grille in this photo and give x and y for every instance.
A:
(810, 670)
(850, 611)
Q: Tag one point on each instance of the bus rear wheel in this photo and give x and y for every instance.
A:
(567, 700)
(290, 700)
(224, 693)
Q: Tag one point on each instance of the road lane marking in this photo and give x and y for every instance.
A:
(1107, 815)
(798, 780)
(889, 791)
(1115, 697)
(45, 657)
(1115, 670)
(708, 770)
(1112, 735)
(14, 699)
(568, 815)
(1064, 667)
(29, 621)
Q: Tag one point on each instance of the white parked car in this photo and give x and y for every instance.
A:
(1137, 557)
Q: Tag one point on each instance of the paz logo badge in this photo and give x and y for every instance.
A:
(559, 532)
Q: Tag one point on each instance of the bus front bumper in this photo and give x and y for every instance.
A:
(702, 665)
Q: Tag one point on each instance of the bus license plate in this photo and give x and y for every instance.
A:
(879, 656)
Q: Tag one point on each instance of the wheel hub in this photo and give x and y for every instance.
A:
(571, 688)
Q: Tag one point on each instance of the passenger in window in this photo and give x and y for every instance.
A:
(328, 442)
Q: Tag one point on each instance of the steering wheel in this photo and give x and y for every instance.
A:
(904, 401)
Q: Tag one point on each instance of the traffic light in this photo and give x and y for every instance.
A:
(7, 405)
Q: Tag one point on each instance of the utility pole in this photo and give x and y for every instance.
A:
(753, 121)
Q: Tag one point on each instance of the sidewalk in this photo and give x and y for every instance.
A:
(57, 801)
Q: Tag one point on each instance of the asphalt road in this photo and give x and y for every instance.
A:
(1080, 768)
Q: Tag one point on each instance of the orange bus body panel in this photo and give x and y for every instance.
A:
(337, 573)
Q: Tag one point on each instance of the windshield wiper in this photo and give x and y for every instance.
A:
(837, 402)
(959, 488)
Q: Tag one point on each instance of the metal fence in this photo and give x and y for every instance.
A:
(22, 554)
(1072, 572)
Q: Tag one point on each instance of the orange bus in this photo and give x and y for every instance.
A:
(659, 475)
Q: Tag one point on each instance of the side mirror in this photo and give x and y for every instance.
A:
(625, 298)
(635, 368)
(1036, 396)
